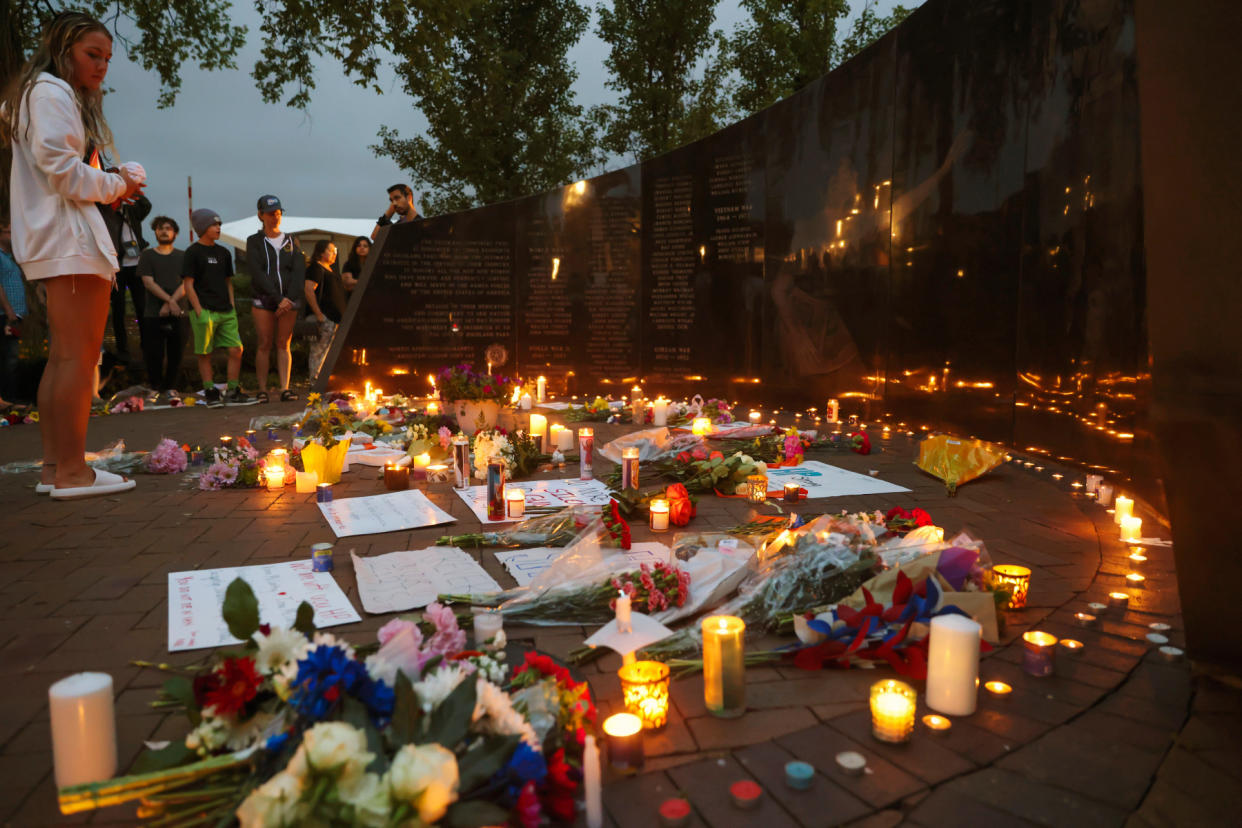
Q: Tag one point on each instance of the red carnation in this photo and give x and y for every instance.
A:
(864, 442)
(238, 683)
(921, 518)
(715, 455)
(559, 788)
(897, 512)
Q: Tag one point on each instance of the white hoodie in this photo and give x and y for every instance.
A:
(57, 229)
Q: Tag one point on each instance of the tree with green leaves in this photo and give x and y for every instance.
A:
(495, 84)
(789, 43)
(669, 67)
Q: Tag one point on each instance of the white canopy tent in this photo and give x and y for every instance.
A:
(341, 231)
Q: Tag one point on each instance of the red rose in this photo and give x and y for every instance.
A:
(715, 455)
(684, 457)
(680, 507)
(897, 512)
(864, 442)
(921, 518)
(700, 453)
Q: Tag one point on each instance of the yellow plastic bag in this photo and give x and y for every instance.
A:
(327, 463)
(957, 461)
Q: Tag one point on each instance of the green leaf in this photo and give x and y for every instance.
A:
(478, 765)
(405, 713)
(475, 813)
(174, 755)
(181, 690)
(241, 610)
(449, 723)
(305, 621)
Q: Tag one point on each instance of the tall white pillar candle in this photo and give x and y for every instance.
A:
(624, 614)
(659, 412)
(524, 402)
(591, 783)
(1124, 508)
(1104, 494)
(83, 729)
(541, 389)
(539, 425)
(565, 439)
(953, 665)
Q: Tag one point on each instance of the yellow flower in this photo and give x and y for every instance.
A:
(313, 398)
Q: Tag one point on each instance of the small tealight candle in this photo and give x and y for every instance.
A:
(892, 711)
(1137, 558)
(1071, 647)
(1131, 528)
(1084, 619)
(659, 516)
(1159, 626)
(675, 813)
(701, 426)
(792, 492)
(1136, 581)
(437, 473)
(396, 478)
(937, 724)
(1096, 608)
(998, 689)
(852, 762)
(1037, 650)
(1171, 653)
(1157, 638)
(515, 502)
(305, 482)
(799, 775)
(745, 794)
(1118, 601)
(625, 742)
(323, 493)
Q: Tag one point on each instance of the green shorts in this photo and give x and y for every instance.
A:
(214, 329)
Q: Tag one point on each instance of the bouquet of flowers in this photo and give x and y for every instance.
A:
(234, 466)
(719, 410)
(487, 444)
(598, 410)
(166, 458)
(128, 405)
(298, 728)
(590, 600)
(462, 382)
(324, 422)
(557, 528)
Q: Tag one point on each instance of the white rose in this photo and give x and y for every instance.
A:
(274, 803)
(426, 777)
(369, 796)
(761, 467)
(335, 747)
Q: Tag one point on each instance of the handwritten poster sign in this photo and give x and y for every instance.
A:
(390, 512)
(541, 493)
(407, 580)
(195, 599)
(822, 480)
(525, 564)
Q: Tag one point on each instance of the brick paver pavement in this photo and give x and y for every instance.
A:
(1106, 740)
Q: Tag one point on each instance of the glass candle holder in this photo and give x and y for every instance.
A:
(433, 409)
(724, 665)
(757, 488)
(515, 503)
(396, 478)
(1017, 579)
(418, 467)
(323, 493)
(792, 492)
(629, 469)
(274, 477)
(892, 711)
(461, 462)
(625, 742)
(586, 448)
(659, 515)
(701, 426)
(1123, 508)
(437, 473)
(833, 411)
(1038, 649)
(487, 625)
(644, 691)
(755, 417)
(495, 489)
(1131, 528)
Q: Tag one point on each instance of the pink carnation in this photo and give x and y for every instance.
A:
(397, 626)
(166, 458)
(446, 437)
(448, 639)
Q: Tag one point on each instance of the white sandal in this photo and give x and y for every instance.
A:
(105, 483)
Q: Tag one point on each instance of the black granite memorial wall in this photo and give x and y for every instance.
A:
(945, 231)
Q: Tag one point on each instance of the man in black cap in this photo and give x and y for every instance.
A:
(278, 272)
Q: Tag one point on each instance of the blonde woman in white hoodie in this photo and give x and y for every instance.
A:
(52, 117)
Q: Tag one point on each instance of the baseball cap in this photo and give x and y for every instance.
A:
(268, 203)
(202, 218)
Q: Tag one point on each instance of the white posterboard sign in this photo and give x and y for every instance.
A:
(390, 512)
(399, 581)
(196, 601)
(525, 564)
(541, 493)
(822, 480)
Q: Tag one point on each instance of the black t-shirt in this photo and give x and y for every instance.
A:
(165, 269)
(210, 268)
(329, 290)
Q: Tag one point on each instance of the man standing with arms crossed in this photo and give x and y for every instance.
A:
(400, 204)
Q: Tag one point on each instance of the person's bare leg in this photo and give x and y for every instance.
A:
(47, 418)
(265, 329)
(77, 314)
(234, 369)
(204, 368)
(284, 335)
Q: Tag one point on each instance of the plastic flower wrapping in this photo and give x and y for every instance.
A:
(298, 727)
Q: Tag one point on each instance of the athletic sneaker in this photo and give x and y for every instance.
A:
(237, 396)
(213, 397)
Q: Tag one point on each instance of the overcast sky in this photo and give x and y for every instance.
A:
(318, 162)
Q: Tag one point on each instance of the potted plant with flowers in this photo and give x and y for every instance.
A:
(326, 428)
(475, 398)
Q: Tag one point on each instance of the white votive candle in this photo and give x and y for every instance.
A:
(1124, 508)
(487, 625)
(659, 516)
(83, 729)
(515, 503)
(953, 665)
(659, 412)
(524, 402)
(564, 438)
